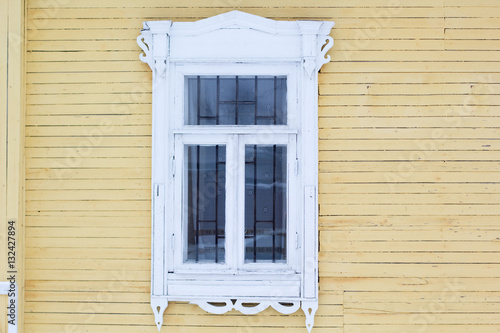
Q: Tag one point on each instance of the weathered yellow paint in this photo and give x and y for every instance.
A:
(409, 160)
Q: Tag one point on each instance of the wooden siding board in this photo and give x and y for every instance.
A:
(409, 157)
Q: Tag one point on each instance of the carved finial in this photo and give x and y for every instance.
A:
(309, 309)
(159, 305)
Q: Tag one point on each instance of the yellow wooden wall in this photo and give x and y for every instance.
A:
(409, 167)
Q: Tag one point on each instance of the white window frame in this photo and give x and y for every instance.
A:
(235, 43)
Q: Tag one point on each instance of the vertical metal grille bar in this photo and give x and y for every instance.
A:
(198, 107)
(274, 203)
(236, 102)
(217, 120)
(255, 205)
(256, 102)
(217, 200)
(275, 88)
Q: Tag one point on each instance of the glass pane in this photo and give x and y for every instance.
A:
(236, 100)
(265, 203)
(206, 203)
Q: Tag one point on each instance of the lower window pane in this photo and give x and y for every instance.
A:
(265, 203)
(206, 196)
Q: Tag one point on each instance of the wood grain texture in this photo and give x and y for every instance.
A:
(409, 188)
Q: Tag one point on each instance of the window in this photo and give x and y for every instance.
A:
(235, 162)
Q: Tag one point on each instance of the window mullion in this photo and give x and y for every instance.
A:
(232, 203)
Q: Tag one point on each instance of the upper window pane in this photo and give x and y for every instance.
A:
(236, 100)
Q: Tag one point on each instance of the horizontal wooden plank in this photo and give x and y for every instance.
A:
(413, 285)
(401, 145)
(407, 246)
(85, 67)
(145, 309)
(397, 45)
(83, 243)
(410, 199)
(72, 294)
(79, 98)
(86, 55)
(119, 220)
(407, 270)
(407, 168)
(98, 77)
(86, 275)
(408, 133)
(416, 210)
(103, 121)
(96, 152)
(416, 177)
(70, 34)
(89, 264)
(471, 23)
(60, 184)
(405, 222)
(255, 3)
(89, 142)
(409, 111)
(473, 11)
(374, 32)
(52, 289)
(98, 253)
(430, 89)
(60, 172)
(415, 258)
(416, 308)
(123, 107)
(151, 328)
(454, 101)
(390, 66)
(390, 122)
(435, 318)
(61, 131)
(76, 194)
(84, 162)
(427, 327)
(269, 12)
(416, 55)
(140, 231)
(457, 44)
(435, 78)
(471, 34)
(415, 156)
(81, 45)
(89, 88)
(184, 320)
(393, 234)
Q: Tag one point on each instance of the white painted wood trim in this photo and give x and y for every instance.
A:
(234, 43)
